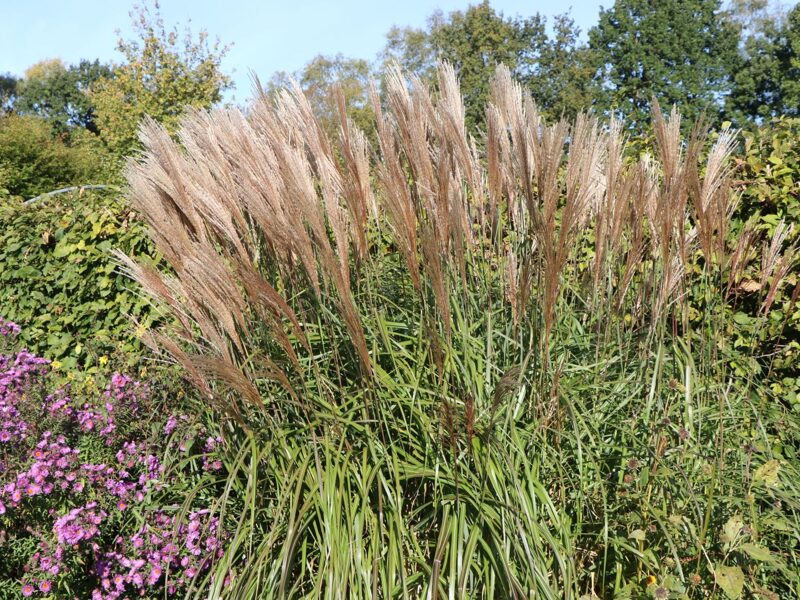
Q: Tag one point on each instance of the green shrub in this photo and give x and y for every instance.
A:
(33, 162)
(59, 281)
(769, 172)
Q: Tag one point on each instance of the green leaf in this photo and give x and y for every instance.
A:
(777, 523)
(62, 250)
(732, 529)
(757, 552)
(730, 580)
(637, 534)
(768, 473)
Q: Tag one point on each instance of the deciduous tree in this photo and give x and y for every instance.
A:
(554, 66)
(59, 94)
(317, 80)
(163, 73)
(681, 52)
(8, 91)
(768, 82)
(560, 73)
(412, 49)
(476, 40)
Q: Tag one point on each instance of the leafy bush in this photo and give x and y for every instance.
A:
(88, 507)
(769, 173)
(58, 278)
(33, 162)
(456, 372)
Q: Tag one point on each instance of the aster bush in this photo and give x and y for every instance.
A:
(90, 485)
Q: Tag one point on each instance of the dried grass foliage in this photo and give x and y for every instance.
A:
(250, 210)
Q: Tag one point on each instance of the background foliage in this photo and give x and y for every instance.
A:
(163, 73)
(60, 281)
(678, 52)
(59, 94)
(32, 161)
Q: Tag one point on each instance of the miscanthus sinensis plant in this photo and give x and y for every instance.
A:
(454, 367)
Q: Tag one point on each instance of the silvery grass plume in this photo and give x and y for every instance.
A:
(399, 321)
(247, 208)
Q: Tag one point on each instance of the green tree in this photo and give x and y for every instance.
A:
(755, 18)
(58, 93)
(163, 74)
(768, 83)
(560, 79)
(556, 68)
(681, 52)
(412, 49)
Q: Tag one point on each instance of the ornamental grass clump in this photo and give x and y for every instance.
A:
(485, 367)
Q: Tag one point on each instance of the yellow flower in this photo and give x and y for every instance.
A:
(56, 364)
(71, 376)
(103, 360)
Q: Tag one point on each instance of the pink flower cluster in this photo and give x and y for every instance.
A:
(54, 468)
(84, 537)
(162, 551)
(17, 373)
(121, 390)
(79, 525)
(161, 547)
(9, 328)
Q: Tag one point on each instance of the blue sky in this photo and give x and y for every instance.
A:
(267, 35)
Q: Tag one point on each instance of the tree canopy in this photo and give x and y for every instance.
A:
(8, 91)
(681, 52)
(768, 82)
(351, 76)
(412, 49)
(73, 124)
(475, 41)
(163, 73)
(59, 94)
(740, 63)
